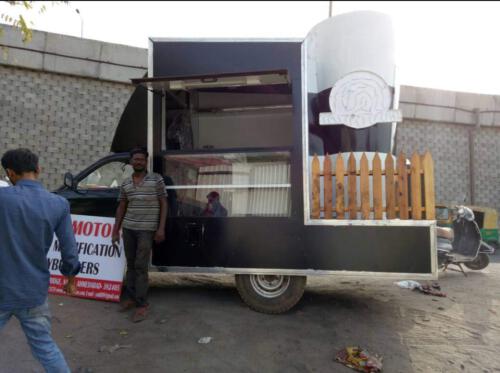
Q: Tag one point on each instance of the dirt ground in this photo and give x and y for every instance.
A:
(412, 331)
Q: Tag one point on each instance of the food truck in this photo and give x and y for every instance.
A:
(277, 159)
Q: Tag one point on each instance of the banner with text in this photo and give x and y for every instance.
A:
(102, 264)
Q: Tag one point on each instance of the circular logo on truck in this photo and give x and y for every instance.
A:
(360, 99)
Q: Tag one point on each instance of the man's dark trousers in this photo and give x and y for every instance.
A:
(138, 245)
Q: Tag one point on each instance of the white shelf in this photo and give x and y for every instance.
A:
(228, 186)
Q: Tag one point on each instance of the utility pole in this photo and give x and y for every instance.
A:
(330, 8)
(472, 132)
(81, 22)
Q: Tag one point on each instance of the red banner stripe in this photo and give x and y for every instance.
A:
(88, 288)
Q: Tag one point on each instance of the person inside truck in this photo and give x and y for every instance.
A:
(214, 208)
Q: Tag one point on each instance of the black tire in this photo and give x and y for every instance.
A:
(481, 262)
(271, 294)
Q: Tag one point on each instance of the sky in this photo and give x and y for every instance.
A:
(444, 45)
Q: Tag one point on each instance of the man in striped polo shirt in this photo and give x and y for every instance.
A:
(141, 213)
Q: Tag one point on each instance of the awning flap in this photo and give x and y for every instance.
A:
(214, 81)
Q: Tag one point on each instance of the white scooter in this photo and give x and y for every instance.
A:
(462, 244)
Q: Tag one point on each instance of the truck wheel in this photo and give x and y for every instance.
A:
(479, 263)
(271, 294)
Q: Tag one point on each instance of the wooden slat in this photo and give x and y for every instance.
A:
(351, 181)
(396, 188)
(430, 205)
(377, 187)
(339, 185)
(390, 195)
(416, 192)
(327, 184)
(364, 186)
(315, 211)
(402, 187)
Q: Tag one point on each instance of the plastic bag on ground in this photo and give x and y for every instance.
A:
(359, 359)
(408, 284)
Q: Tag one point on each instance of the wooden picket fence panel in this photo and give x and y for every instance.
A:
(409, 191)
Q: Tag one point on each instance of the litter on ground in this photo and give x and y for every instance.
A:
(433, 289)
(111, 349)
(359, 359)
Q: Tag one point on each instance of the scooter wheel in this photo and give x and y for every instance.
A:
(481, 262)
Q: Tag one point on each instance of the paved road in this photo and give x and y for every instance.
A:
(413, 332)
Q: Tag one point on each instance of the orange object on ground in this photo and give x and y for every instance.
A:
(358, 359)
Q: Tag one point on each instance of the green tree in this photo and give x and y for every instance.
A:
(13, 16)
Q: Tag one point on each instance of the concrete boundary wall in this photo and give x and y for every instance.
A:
(69, 121)
(73, 56)
(462, 131)
(450, 107)
(63, 97)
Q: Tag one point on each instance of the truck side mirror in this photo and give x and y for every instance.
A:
(69, 180)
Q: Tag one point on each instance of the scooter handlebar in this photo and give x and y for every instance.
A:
(463, 212)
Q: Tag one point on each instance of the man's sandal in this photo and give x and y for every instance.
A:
(140, 314)
(126, 305)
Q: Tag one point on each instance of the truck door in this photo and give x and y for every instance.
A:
(96, 190)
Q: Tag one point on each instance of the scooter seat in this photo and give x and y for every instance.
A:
(443, 232)
(444, 244)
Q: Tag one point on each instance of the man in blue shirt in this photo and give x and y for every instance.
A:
(29, 217)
